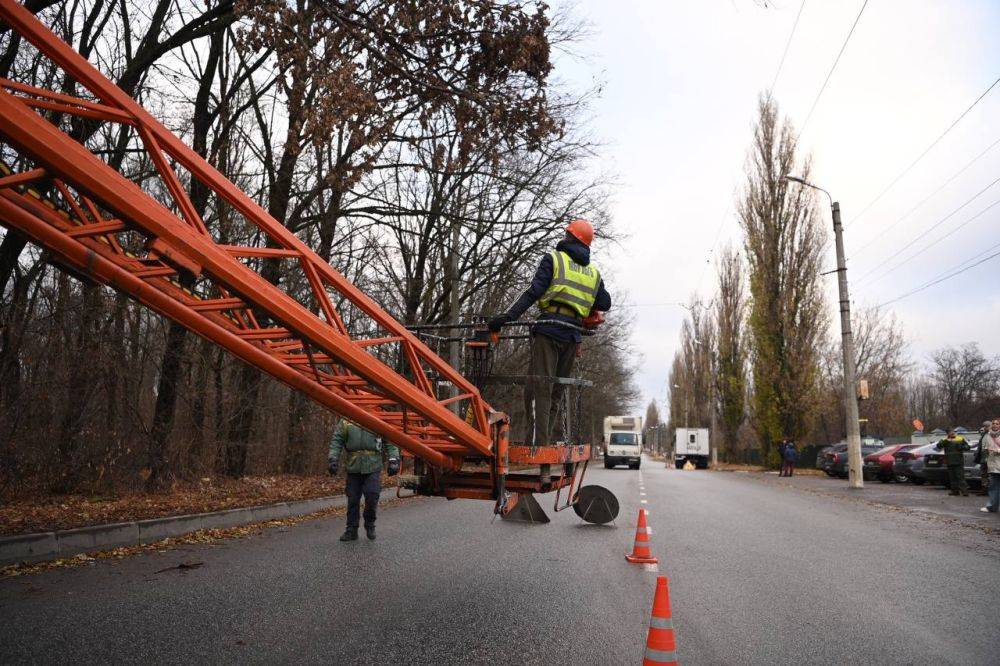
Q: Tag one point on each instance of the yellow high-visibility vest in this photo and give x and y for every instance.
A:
(573, 286)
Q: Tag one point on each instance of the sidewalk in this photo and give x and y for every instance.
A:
(927, 500)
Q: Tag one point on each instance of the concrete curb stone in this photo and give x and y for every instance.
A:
(64, 543)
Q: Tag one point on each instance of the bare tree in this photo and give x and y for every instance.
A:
(966, 381)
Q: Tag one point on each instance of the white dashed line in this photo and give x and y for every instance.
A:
(652, 568)
(643, 501)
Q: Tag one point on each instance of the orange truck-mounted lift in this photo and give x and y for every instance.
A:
(98, 224)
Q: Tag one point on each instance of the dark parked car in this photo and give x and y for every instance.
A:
(835, 460)
(911, 463)
(936, 471)
(878, 465)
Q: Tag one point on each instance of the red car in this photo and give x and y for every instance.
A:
(878, 465)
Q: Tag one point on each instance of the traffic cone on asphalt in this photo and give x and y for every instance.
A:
(640, 551)
(661, 646)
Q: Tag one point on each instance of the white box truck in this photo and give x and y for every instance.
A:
(691, 444)
(622, 441)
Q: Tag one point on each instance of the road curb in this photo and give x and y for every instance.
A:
(63, 543)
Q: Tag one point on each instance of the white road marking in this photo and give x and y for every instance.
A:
(643, 501)
(652, 568)
(642, 494)
(649, 530)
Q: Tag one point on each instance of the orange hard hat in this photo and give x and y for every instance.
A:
(582, 231)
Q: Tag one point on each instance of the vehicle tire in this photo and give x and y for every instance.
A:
(918, 481)
(608, 465)
(830, 474)
(899, 478)
(678, 465)
(635, 466)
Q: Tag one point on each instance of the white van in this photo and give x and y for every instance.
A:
(622, 441)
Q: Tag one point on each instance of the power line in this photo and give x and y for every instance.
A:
(929, 229)
(830, 73)
(929, 246)
(947, 276)
(722, 222)
(784, 53)
(958, 173)
(921, 156)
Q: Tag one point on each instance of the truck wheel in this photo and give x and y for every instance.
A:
(608, 465)
(633, 466)
(678, 465)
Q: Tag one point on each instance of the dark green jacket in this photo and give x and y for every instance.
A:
(362, 450)
(953, 449)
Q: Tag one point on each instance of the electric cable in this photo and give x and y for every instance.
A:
(921, 155)
(958, 173)
(947, 275)
(927, 231)
(784, 53)
(830, 73)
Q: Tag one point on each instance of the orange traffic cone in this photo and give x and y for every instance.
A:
(661, 646)
(640, 551)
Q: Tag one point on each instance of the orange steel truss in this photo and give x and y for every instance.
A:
(99, 224)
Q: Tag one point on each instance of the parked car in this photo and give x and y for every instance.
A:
(835, 460)
(878, 465)
(936, 471)
(911, 463)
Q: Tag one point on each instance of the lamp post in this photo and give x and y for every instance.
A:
(676, 386)
(855, 479)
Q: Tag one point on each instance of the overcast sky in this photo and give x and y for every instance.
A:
(681, 82)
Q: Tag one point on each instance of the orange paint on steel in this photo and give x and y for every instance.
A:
(186, 244)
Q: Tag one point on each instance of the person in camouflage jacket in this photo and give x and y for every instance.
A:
(362, 452)
(954, 446)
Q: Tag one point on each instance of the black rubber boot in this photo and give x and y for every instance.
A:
(370, 531)
(350, 534)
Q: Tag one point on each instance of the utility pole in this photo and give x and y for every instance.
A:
(855, 477)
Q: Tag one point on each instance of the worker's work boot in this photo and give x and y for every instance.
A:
(370, 532)
(350, 534)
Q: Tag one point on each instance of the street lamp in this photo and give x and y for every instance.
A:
(847, 343)
(685, 405)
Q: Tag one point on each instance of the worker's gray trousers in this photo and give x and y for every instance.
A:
(543, 397)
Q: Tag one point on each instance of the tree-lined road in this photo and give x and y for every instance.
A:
(759, 573)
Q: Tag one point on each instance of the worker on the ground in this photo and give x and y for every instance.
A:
(363, 451)
(954, 447)
(567, 288)
(789, 454)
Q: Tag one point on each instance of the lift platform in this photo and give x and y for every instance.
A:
(95, 222)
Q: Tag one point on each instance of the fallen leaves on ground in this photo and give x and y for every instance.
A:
(46, 512)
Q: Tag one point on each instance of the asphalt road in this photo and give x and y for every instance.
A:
(760, 573)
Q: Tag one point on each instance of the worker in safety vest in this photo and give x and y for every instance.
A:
(567, 288)
(362, 452)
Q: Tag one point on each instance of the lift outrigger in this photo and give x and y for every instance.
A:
(99, 225)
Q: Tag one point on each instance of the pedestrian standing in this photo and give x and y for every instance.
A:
(990, 445)
(980, 459)
(954, 447)
(362, 451)
(791, 455)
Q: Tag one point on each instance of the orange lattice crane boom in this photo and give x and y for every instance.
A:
(97, 223)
